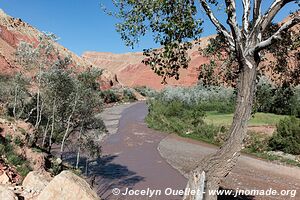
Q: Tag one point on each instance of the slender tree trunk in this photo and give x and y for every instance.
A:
(218, 165)
(68, 127)
(41, 111)
(52, 125)
(38, 99)
(15, 102)
(87, 166)
(78, 150)
(37, 109)
(45, 132)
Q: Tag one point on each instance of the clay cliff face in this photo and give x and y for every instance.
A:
(131, 72)
(13, 30)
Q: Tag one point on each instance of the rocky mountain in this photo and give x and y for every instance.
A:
(131, 72)
(14, 30)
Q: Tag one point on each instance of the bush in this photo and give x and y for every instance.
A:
(287, 138)
(145, 91)
(128, 95)
(187, 121)
(256, 142)
(283, 100)
(14, 159)
(197, 94)
(18, 141)
(109, 96)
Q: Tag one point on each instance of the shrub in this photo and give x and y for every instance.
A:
(256, 142)
(287, 138)
(24, 169)
(18, 141)
(14, 159)
(109, 96)
(146, 91)
(128, 95)
(2, 149)
(187, 121)
(197, 94)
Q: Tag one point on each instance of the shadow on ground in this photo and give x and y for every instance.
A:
(104, 174)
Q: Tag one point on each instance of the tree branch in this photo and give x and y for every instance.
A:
(246, 15)
(217, 23)
(256, 11)
(270, 14)
(276, 36)
(235, 30)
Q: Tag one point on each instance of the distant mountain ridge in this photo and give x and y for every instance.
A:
(131, 72)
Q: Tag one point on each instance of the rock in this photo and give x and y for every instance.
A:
(36, 181)
(6, 194)
(4, 179)
(67, 185)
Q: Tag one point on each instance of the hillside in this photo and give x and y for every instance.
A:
(14, 30)
(131, 72)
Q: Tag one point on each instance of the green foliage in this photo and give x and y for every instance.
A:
(284, 100)
(208, 98)
(118, 95)
(287, 138)
(24, 170)
(173, 23)
(128, 95)
(176, 117)
(256, 142)
(12, 158)
(146, 91)
(5, 87)
(18, 141)
(109, 96)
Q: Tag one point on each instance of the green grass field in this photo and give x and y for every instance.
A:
(259, 119)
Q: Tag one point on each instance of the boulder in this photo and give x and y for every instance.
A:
(6, 194)
(67, 185)
(36, 181)
(4, 179)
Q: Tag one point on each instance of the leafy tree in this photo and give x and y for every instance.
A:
(174, 24)
(58, 93)
(19, 95)
(36, 58)
(86, 104)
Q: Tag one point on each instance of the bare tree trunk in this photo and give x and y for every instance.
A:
(45, 132)
(15, 102)
(37, 109)
(78, 151)
(38, 99)
(68, 127)
(87, 166)
(218, 165)
(41, 111)
(52, 125)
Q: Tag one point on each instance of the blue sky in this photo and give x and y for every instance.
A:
(82, 26)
